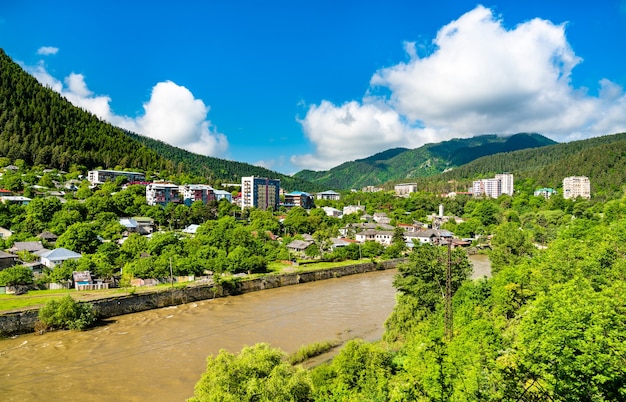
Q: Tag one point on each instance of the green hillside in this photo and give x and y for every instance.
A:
(602, 159)
(399, 164)
(41, 127)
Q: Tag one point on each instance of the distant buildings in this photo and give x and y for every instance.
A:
(328, 195)
(299, 199)
(544, 192)
(162, 194)
(576, 186)
(101, 176)
(196, 192)
(260, 192)
(404, 189)
(493, 188)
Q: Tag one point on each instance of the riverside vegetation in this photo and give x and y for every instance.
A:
(550, 324)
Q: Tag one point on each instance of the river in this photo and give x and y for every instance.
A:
(159, 355)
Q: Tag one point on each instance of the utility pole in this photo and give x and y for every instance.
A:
(448, 316)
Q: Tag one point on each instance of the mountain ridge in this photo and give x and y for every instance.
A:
(397, 164)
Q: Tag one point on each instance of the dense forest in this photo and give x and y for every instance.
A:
(40, 127)
(401, 164)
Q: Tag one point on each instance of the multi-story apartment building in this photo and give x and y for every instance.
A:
(162, 194)
(404, 189)
(299, 199)
(506, 183)
(493, 188)
(101, 176)
(260, 192)
(196, 192)
(544, 192)
(576, 186)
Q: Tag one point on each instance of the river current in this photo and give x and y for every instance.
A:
(159, 355)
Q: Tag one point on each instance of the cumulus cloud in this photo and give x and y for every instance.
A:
(172, 115)
(480, 78)
(47, 50)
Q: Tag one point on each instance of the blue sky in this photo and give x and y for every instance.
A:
(294, 85)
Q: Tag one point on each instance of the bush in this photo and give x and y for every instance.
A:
(67, 314)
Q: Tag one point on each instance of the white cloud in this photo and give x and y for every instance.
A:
(172, 114)
(480, 78)
(47, 50)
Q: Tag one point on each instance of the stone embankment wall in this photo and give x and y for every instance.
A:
(24, 321)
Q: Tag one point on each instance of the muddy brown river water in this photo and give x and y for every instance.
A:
(159, 355)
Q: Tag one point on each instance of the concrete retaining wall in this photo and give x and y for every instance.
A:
(24, 321)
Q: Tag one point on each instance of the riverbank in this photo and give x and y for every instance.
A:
(23, 321)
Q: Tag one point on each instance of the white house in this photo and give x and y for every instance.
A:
(57, 256)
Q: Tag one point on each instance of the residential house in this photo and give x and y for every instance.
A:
(353, 209)
(429, 236)
(30, 246)
(5, 233)
(221, 195)
(84, 281)
(328, 195)
(382, 218)
(299, 246)
(48, 237)
(15, 199)
(191, 229)
(7, 260)
(333, 212)
(58, 256)
(145, 225)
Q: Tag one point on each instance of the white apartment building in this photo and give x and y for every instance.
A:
(101, 176)
(576, 186)
(404, 189)
(493, 188)
(506, 183)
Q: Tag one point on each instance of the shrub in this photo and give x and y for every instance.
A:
(67, 314)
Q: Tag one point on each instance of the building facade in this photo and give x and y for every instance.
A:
(162, 194)
(404, 189)
(299, 199)
(101, 176)
(196, 192)
(260, 192)
(329, 195)
(493, 188)
(576, 186)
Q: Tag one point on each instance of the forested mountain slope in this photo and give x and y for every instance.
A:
(602, 159)
(41, 127)
(400, 164)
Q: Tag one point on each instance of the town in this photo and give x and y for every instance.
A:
(109, 228)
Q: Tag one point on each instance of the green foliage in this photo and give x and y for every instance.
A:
(309, 351)
(16, 275)
(80, 237)
(258, 373)
(67, 313)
